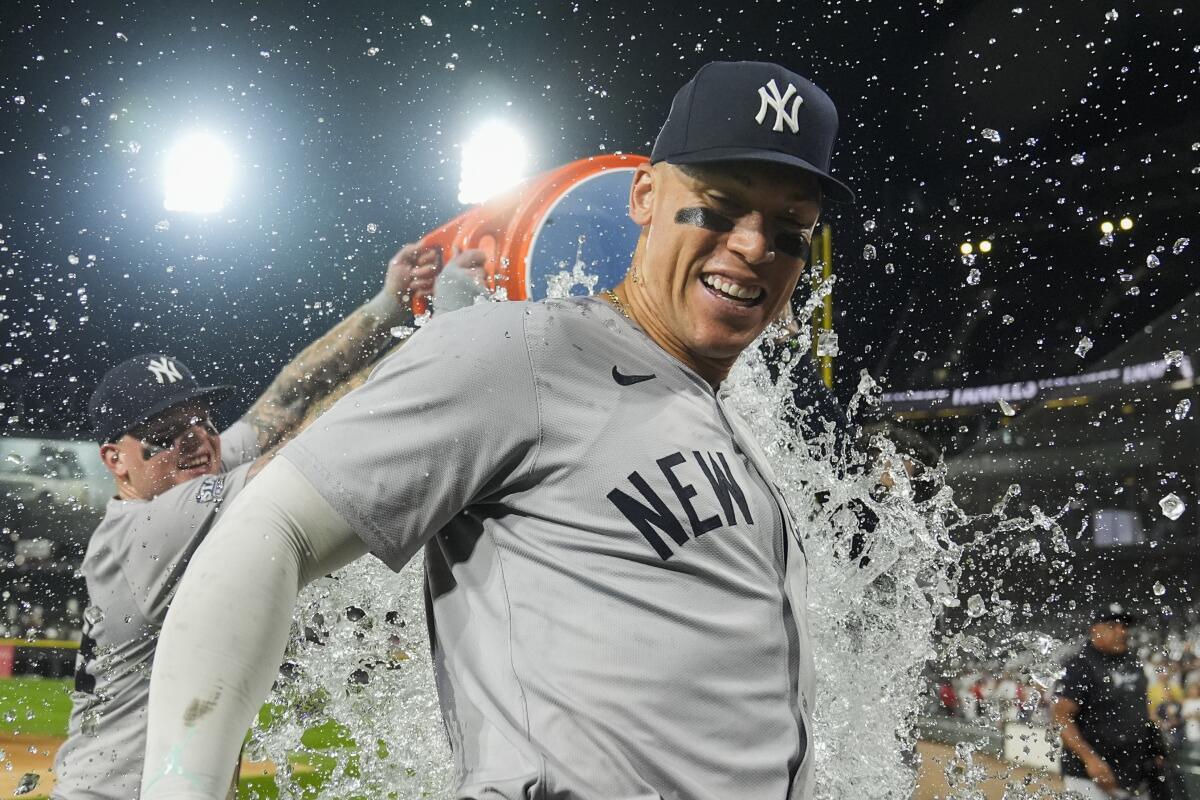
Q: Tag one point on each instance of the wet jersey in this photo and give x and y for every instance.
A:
(615, 585)
(133, 562)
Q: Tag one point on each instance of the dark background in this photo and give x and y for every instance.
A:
(331, 139)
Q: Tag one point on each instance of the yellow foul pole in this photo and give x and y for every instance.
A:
(822, 321)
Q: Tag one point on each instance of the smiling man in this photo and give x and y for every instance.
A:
(616, 587)
(173, 472)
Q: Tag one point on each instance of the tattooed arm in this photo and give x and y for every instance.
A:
(347, 348)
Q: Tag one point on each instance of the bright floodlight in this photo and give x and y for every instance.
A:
(1126, 223)
(493, 160)
(199, 173)
(1106, 227)
(965, 248)
(985, 246)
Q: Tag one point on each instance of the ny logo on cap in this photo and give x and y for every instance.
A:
(164, 370)
(771, 97)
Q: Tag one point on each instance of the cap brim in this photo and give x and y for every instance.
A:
(209, 395)
(831, 187)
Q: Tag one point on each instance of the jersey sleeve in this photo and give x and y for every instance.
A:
(239, 444)
(1076, 682)
(447, 420)
(166, 533)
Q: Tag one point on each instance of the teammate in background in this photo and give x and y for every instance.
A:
(615, 583)
(173, 473)
(1111, 748)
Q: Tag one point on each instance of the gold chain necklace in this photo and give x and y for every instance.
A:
(612, 295)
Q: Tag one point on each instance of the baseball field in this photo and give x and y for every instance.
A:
(33, 724)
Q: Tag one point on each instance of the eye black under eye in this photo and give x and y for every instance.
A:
(793, 244)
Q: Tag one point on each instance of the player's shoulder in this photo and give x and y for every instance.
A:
(498, 329)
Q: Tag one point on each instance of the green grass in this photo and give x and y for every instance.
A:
(42, 705)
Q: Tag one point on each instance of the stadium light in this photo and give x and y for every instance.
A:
(966, 248)
(1106, 227)
(985, 246)
(493, 160)
(199, 174)
(1126, 223)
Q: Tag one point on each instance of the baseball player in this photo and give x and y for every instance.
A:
(617, 591)
(173, 473)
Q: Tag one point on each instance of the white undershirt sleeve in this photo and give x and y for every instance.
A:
(224, 636)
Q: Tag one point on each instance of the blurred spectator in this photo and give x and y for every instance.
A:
(1190, 710)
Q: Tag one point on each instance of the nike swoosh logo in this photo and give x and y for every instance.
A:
(629, 380)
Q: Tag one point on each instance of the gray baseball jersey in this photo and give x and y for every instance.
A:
(133, 562)
(617, 591)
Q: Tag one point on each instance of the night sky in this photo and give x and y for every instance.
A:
(346, 120)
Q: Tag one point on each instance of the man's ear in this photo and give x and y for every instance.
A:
(110, 454)
(641, 194)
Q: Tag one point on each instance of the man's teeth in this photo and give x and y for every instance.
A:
(202, 461)
(733, 289)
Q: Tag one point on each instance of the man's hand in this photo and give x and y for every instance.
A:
(1101, 774)
(411, 273)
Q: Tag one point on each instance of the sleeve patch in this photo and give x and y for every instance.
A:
(211, 489)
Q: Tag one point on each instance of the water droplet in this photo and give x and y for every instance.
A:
(991, 134)
(93, 615)
(1111, 15)
(869, 225)
(19, 99)
(974, 276)
(975, 607)
(372, 227)
(1007, 319)
(1018, 11)
(162, 226)
(1159, 589)
(84, 101)
(1085, 344)
(1181, 410)
(1172, 507)
(869, 252)
(1077, 159)
(889, 268)
(1173, 357)
(1180, 244)
(372, 51)
(1152, 261)
(426, 21)
(72, 259)
(122, 37)
(28, 783)
(1006, 408)
(920, 355)
(14, 458)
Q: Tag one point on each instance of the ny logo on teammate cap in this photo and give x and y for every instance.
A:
(164, 370)
(771, 97)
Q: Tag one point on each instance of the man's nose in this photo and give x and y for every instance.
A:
(749, 239)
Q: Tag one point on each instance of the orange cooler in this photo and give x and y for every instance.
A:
(577, 214)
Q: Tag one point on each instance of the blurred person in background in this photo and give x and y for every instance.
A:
(1190, 709)
(1111, 748)
(173, 472)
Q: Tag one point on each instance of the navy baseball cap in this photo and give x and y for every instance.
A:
(140, 389)
(752, 111)
(1113, 612)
